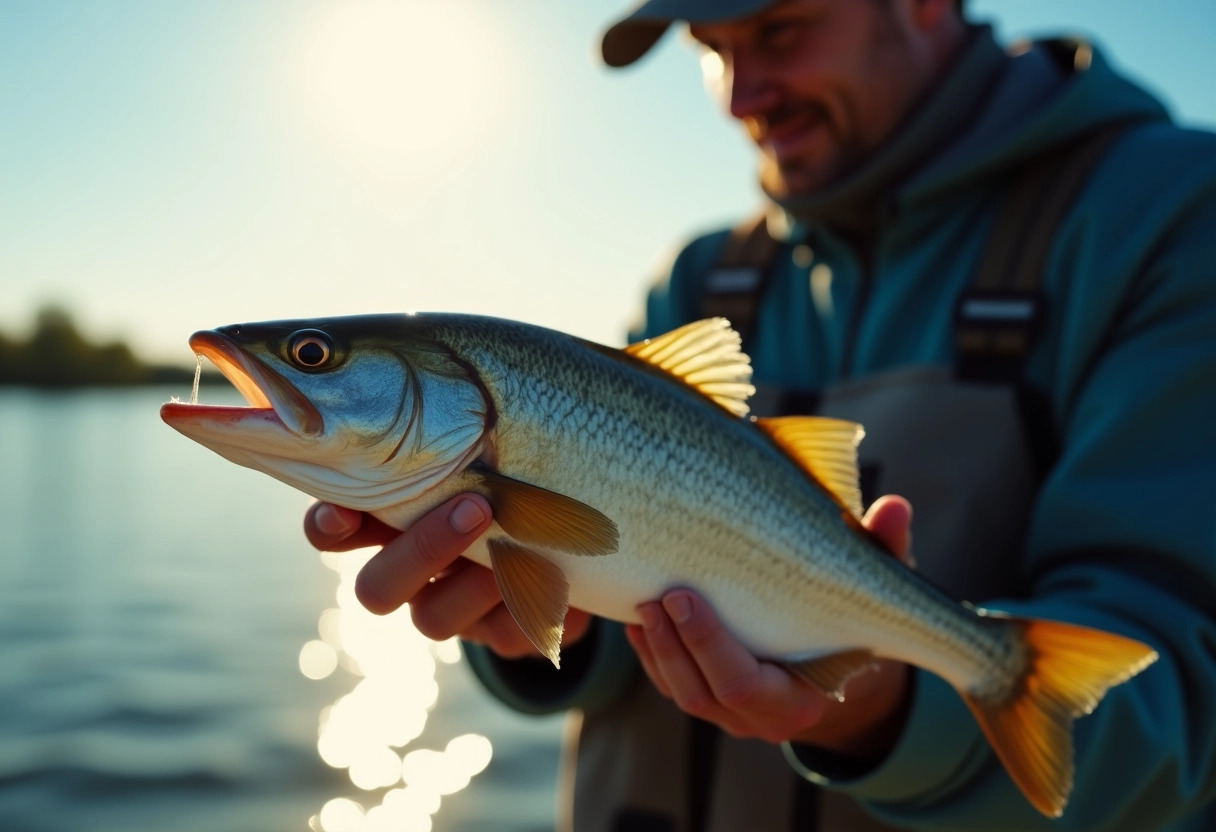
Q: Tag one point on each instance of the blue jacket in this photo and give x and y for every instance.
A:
(1123, 531)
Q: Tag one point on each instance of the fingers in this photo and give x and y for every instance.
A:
(730, 672)
(451, 604)
(677, 669)
(498, 631)
(637, 637)
(578, 622)
(691, 658)
(332, 528)
(407, 563)
(890, 520)
(421, 566)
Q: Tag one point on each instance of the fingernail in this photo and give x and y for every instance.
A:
(466, 516)
(678, 607)
(650, 616)
(331, 521)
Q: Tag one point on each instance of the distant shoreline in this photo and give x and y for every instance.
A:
(152, 376)
(57, 357)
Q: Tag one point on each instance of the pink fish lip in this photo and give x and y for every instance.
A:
(271, 397)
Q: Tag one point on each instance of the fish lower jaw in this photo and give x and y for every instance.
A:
(225, 426)
(214, 412)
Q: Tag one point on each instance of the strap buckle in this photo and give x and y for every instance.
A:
(994, 331)
(731, 280)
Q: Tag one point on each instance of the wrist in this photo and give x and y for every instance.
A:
(867, 724)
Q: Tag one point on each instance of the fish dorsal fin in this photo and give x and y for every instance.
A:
(831, 673)
(539, 517)
(706, 356)
(536, 593)
(826, 448)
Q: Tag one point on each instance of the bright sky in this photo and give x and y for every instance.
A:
(167, 167)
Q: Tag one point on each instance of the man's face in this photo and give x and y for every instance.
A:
(818, 84)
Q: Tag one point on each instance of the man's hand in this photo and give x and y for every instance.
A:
(448, 595)
(694, 661)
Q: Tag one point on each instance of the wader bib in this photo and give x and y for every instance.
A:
(964, 443)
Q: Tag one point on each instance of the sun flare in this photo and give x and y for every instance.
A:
(398, 84)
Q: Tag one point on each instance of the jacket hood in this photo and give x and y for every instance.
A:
(992, 111)
(1049, 93)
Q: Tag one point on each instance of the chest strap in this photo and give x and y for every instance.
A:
(735, 286)
(1002, 311)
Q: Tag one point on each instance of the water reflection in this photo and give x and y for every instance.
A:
(158, 614)
(386, 710)
(318, 660)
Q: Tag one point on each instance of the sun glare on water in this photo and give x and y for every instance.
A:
(400, 84)
(366, 730)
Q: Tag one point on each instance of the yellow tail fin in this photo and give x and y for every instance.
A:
(1070, 669)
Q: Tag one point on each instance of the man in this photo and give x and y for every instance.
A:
(1055, 432)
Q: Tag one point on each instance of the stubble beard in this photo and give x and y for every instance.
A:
(846, 151)
(810, 172)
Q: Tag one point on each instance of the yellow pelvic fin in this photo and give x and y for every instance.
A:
(705, 355)
(535, 592)
(826, 449)
(539, 517)
(1069, 671)
(831, 673)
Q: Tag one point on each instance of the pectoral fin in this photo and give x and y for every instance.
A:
(831, 673)
(536, 593)
(543, 518)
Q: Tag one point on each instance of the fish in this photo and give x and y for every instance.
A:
(616, 475)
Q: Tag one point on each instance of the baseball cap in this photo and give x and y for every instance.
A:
(631, 37)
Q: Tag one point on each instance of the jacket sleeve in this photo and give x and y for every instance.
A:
(1123, 537)
(602, 666)
(594, 672)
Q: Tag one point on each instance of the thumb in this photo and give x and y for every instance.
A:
(890, 520)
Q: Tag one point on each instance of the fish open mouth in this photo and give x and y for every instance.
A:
(269, 395)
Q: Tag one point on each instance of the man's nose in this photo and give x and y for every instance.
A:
(751, 90)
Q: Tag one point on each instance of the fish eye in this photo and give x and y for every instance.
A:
(310, 349)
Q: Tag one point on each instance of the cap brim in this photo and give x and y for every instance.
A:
(631, 38)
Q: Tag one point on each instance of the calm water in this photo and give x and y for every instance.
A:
(175, 656)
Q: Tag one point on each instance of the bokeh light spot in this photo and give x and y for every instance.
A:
(342, 815)
(448, 651)
(317, 659)
(386, 709)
